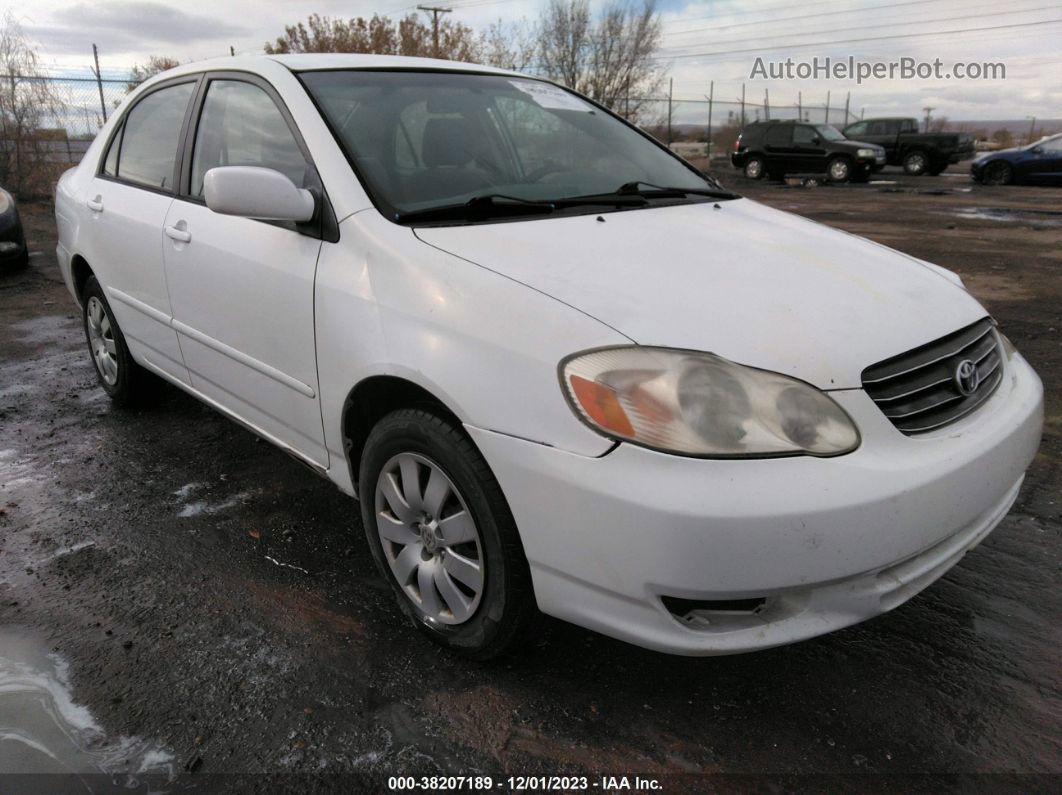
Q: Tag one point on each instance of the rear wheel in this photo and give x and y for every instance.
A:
(915, 163)
(998, 173)
(125, 381)
(443, 536)
(839, 169)
(755, 167)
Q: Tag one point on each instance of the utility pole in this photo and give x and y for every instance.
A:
(435, 11)
(928, 111)
(711, 96)
(670, 92)
(232, 51)
(742, 104)
(800, 107)
(99, 81)
(766, 105)
(847, 99)
(1032, 129)
(827, 121)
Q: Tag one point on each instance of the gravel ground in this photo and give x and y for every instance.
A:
(215, 610)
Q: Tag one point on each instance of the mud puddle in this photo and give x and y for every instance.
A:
(1006, 214)
(43, 730)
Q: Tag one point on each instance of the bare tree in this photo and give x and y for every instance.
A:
(938, 124)
(408, 36)
(27, 101)
(610, 57)
(156, 63)
(511, 45)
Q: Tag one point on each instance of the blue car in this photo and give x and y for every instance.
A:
(1039, 163)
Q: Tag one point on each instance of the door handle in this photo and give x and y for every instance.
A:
(96, 205)
(180, 235)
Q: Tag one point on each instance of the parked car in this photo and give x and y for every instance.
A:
(1039, 163)
(561, 369)
(918, 153)
(13, 251)
(777, 148)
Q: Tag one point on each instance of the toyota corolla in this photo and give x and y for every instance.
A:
(562, 370)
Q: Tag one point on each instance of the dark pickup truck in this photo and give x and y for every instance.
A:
(918, 153)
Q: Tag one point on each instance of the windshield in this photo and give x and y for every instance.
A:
(422, 140)
(828, 133)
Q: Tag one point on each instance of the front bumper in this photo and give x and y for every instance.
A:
(823, 542)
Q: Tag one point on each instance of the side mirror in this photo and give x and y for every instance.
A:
(816, 140)
(254, 192)
(1038, 150)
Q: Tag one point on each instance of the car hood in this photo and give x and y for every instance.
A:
(753, 284)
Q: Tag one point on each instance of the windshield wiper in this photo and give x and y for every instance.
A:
(496, 205)
(487, 205)
(662, 192)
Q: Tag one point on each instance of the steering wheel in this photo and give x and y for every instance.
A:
(547, 168)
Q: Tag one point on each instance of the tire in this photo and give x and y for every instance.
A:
(755, 167)
(409, 540)
(126, 383)
(839, 169)
(915, 163)
(998, 173)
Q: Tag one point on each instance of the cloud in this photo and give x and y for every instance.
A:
(129, 26)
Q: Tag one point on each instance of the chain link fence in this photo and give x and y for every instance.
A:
(47, 124)
(700, 127)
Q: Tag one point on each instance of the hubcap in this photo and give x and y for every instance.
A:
(839, 170)
(101, 341)
(754, 168)
(916, 162)
(429, 539)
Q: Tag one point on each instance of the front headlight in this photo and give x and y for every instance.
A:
(5, 201)
(866, 153)
(700, 404)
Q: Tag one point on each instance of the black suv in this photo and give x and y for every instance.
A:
(777, 148)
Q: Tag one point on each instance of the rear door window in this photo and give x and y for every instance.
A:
(804, 135)
(779, 135)
(148, 149)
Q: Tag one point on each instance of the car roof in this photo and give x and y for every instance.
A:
(312, 61)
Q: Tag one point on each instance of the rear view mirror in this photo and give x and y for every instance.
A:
(254, 192)
(1038, 150)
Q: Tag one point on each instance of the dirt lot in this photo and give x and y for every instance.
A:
(215, 609)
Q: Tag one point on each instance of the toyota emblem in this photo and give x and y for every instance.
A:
(966, 377)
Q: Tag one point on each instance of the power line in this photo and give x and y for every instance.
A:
(1008, 12)
(800, 17)
(857, 40)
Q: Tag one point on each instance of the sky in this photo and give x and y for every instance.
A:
(704, 41)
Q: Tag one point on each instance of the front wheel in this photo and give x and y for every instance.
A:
(126, 382)
(998, 173)
(839, 169)
(443, 536)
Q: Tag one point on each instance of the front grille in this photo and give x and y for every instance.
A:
(922, 389)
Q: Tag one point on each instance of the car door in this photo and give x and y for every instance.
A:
(242, 289)
(126, 205)
(882, 132)
(778, 146)
(1045, 163)
(809, 148)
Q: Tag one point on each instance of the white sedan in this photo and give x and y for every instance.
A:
(562, 370)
